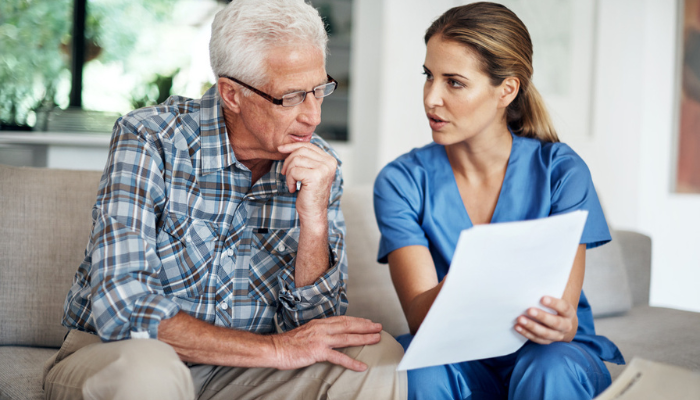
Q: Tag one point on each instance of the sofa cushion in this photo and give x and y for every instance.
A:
(370, 291)
(45, 223)
(605, 283)
(655, 333)
(21, 372)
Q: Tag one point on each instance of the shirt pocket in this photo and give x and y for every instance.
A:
(185, 247)
(272, 250)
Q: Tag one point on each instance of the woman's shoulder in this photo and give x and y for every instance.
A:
(410, 174)
(418, 161)
(554, 156)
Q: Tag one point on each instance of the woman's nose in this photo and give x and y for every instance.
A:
(432, 96)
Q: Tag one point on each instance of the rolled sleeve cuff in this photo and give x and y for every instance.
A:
(149, 311)
(321, 299)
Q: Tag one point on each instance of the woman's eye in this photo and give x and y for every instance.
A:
(428, 76)
(455, 84)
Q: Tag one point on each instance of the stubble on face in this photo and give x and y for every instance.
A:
(261, 127)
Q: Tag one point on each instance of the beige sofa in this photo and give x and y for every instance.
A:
(45, 222)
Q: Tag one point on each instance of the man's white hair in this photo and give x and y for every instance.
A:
(245, 30)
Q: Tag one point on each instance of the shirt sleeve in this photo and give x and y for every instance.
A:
(126, 294)
(572, 189)
(398, 208)
(327, 296)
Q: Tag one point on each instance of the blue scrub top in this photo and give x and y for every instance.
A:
(417, 202)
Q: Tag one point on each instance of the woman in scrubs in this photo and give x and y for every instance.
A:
(495, 158)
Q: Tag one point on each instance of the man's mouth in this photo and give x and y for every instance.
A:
(301, 137)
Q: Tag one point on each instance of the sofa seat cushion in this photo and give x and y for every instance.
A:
(656, 334)
(21, 371)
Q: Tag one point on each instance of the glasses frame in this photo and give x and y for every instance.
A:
(280, 102)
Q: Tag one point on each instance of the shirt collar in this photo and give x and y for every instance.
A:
(216, 152)
(272, 183)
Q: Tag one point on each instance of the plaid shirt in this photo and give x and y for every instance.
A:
(178, 227)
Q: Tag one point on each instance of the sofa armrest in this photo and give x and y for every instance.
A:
(636, 253)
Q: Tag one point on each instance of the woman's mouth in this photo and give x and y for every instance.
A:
(436, 123)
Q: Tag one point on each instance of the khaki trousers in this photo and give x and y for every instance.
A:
(86, 368)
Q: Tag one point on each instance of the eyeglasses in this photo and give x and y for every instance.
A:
(294, 98)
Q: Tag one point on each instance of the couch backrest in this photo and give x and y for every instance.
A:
(44, 226)
(370, 291)
(606, 283)
(636, 251)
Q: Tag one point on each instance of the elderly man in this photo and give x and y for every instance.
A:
(216, 266)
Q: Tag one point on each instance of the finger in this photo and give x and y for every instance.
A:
(305, 162)
(318, 176)
(307, 153)
(345, 324)
(346, 361)
(556, 322)
(291, 147)
(561, 306)
(540, 330)
(301, 175)
(529, 335)
(351, 340)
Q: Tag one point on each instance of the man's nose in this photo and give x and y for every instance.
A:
(310, 110)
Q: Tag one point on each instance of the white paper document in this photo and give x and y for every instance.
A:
(498, 271)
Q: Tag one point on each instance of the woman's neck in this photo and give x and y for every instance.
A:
(482, 156)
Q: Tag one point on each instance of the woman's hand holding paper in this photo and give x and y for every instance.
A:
(544, 327)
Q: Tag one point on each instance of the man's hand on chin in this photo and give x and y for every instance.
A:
(315, 169)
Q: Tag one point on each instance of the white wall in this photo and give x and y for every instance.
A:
(629, 149)
(673, 219)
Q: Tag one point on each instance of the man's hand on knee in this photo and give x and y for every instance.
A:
(316, 341)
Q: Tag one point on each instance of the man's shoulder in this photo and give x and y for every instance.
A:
(176, 115)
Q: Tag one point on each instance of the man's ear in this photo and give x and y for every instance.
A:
(509, 89)
(230, 94)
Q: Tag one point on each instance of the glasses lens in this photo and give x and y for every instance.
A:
(324, 90)
(292, 99)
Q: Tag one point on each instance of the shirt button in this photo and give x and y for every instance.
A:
(224, 306)
(280, 247)
(229, 252)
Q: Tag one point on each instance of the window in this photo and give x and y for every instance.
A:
(136, 52)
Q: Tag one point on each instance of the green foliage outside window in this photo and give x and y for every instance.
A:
(31, 33)
(35, 40)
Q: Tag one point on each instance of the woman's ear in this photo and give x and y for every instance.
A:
(509, 89)
(230, 94)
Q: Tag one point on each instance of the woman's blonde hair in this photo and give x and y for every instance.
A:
(503, 45)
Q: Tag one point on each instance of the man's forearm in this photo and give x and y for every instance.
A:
(199, 342)
(312, 254)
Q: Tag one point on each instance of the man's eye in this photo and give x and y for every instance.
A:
(293, 96)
